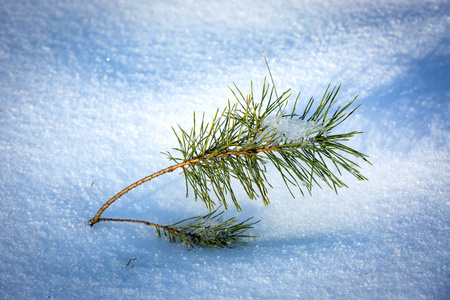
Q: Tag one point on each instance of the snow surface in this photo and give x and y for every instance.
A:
(90, 89)
(290, 130)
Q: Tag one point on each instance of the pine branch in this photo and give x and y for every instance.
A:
(210, 230)
(236, 146)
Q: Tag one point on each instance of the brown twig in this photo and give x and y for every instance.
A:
(97, 218)
(166, 228)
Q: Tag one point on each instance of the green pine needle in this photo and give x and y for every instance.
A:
(210, 230)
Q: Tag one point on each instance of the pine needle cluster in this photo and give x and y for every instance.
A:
(237, 145)
(210, 230)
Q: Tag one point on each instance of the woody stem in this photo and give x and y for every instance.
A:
(96, 218)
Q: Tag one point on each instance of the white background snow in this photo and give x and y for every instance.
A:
(89, 91)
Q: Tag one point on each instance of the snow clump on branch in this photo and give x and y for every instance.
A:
(291, 130)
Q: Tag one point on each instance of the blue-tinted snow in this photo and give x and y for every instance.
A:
(89, 90)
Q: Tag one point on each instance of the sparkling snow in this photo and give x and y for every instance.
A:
(89, 91)
(290, 130)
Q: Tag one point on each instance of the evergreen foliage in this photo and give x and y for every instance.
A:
(210, 230)
(237, 145)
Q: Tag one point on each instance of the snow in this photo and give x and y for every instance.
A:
(290, 130)
(89, 91)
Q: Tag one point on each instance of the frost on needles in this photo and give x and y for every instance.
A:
(238, 143)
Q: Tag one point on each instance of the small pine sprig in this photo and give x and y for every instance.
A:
(210, 230)
(237, 145)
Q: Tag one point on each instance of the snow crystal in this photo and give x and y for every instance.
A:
(291, 130)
